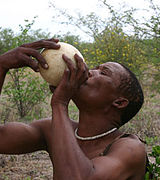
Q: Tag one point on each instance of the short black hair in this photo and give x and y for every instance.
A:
(132, 90)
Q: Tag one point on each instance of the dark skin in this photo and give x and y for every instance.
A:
(100, 106)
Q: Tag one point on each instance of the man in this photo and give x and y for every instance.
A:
(93, 149)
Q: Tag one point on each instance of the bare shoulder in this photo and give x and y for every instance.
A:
(126, 157)
(130, 148)
(131, 141)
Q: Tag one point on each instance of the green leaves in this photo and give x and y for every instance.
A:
(154, 166)
(25, 91)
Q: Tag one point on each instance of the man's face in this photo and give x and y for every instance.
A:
(101, 86)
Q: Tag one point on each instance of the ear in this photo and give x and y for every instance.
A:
(120, 102)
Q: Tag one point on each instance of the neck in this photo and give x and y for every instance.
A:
(92, 123)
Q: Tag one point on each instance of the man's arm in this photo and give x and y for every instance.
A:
(18, 138)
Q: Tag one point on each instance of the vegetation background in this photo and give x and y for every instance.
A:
(120, 37)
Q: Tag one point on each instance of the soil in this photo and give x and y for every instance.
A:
(34, 166)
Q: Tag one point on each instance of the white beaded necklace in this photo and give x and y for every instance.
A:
(93, 137)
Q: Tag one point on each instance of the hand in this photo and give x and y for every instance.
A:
(27, 55)
(72, 79)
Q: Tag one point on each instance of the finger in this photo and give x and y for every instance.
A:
(33, 64)
(53, 39)
(70, 66)
(82, 69)
(49, 44)
(77, 57)
(37, 55)
(80, 62)
(69, 63)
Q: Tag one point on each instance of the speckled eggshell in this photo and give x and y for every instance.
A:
(56, 63)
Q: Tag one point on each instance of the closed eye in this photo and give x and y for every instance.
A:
(103, 72)
(106, 71)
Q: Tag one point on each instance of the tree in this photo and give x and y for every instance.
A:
(6, 40)
(110, 39)
(150, 35)
(24, 89)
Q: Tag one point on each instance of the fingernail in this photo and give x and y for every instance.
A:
(46, 66)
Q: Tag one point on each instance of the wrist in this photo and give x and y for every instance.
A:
(3, 69)
(59, 104)
(59, 108)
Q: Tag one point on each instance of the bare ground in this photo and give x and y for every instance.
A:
(35, 166)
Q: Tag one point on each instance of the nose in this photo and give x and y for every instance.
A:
(92, 73)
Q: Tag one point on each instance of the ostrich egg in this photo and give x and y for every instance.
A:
(56, 63)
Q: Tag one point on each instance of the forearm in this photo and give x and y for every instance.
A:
(2, 73)
(69, 160)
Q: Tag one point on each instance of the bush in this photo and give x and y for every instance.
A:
(154, 166)
(23, 90)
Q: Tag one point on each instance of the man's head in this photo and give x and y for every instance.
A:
(111, 85)
(131, 89)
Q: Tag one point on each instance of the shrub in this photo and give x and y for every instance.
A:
(154, 166)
